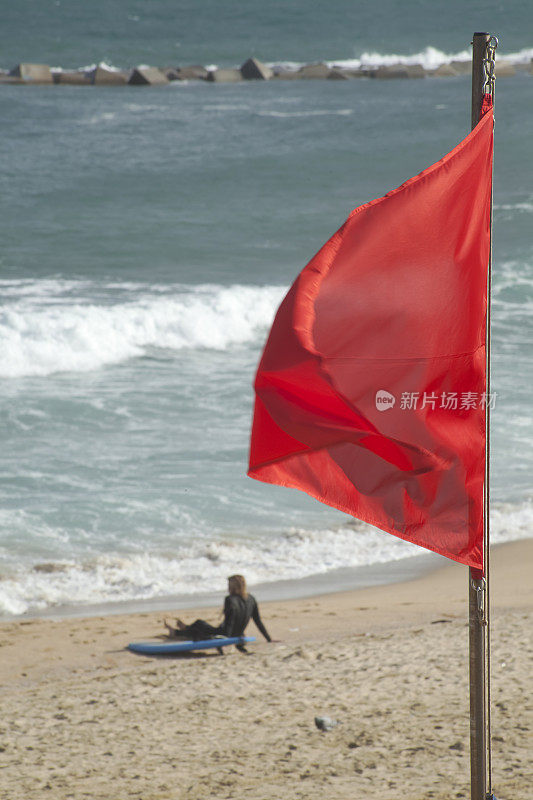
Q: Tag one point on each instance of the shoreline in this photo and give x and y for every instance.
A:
(344, 579)
(322, 583)
(389, 663)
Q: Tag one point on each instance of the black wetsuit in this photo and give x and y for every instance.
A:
(237, 614)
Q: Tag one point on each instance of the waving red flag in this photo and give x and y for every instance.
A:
(370, 395)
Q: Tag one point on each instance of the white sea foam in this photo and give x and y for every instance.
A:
(226, 107)
(429, 58)
(196, 568)
(141, 108)
(43, 333)
(102, 64)
(317, 112)
(511, 522)
(525, 207)
(289, 66)
(47, 287)
(103, 117)
(204, 565)
(520, 57)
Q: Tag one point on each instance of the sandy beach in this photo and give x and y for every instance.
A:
(82, 717)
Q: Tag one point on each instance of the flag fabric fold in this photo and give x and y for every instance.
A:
(371, 391)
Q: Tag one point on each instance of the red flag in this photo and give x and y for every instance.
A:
(370, 395)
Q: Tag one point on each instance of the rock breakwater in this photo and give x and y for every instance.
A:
(27, 73)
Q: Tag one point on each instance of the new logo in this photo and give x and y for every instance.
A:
(384, 400)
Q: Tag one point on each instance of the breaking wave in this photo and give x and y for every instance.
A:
(429, 58)
(54, 326)
(202, 566)
(199, 567)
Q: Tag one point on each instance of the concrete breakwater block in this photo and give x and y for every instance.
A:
(462, 67)
(171, 73)
(504, 69)
(72, 78)
(399, 71)
(353, 73)
(107, 77)
(338, 75)
(194, 72)
(445, 71)
(416, 71)
(10, 79)
(147, 76)
(224, 76)
(314, 71)
(252, 69)
(32, 73)
(286, 75)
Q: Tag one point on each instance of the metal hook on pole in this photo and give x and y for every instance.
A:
(488, 65)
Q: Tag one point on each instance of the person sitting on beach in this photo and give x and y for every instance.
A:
(239, 608)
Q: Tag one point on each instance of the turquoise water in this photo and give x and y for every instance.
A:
(147, 238)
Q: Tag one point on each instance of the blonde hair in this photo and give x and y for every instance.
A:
(237, 585)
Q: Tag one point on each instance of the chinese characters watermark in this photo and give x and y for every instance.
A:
(449, 401)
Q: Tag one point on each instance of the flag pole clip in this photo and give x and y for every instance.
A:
(479, 586)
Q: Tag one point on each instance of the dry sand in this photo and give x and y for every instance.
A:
(84, 718)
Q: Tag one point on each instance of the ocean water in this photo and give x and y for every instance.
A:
(147, 237)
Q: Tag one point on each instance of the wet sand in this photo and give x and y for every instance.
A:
(83, 717)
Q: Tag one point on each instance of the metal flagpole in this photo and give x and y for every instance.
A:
(482, 82)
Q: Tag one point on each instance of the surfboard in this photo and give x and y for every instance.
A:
(164, 648)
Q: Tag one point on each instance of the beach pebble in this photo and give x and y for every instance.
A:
(457, 746)
(300, 652)
(325, 723)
